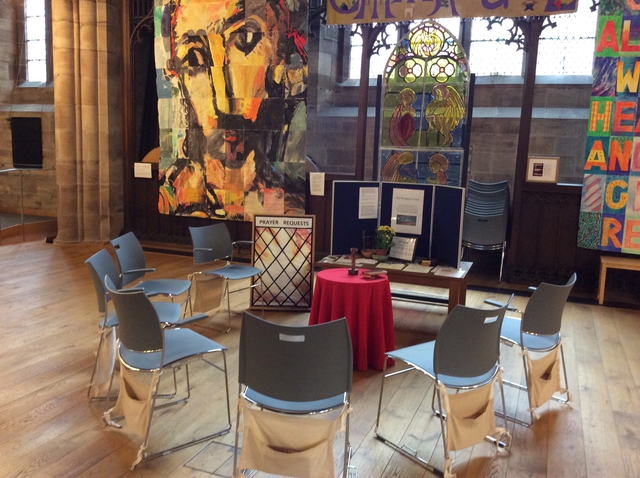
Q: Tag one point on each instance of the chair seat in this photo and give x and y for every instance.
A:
(421, 357)
(168, 312)
(235, 272)
(285, 406)
(511, 332)
(164, 287)
(179, 344)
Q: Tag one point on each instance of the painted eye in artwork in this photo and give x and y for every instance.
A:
(247, 37)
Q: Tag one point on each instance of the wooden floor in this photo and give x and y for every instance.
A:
(49, 428)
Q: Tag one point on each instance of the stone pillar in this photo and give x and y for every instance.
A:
(88, 117)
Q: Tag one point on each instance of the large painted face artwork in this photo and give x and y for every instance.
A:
(426, 84)
(232, 78)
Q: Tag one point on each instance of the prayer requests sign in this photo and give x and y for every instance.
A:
(344, 12)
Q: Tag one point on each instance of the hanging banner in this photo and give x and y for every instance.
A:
(231, 79)
(610, 206)
(345, 12)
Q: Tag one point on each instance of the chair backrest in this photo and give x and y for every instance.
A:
(100, 265)
(543, 314)
(215, 238)
(295, 363)
(468, 343)
(139, 329)
(486, 215)
(488, 187)
(130, 256)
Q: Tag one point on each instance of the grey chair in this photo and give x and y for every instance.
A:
(486, 216)
(213, 243)
(464, 356)
(132, 264)
(144, 345)
(295, 370)
(539, 331)
(101, 265)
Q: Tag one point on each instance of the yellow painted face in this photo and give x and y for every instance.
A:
(227, 55)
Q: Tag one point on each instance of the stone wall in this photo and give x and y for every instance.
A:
(87, 65)
(39, 189)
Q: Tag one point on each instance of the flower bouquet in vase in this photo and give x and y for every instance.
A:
(384, 242)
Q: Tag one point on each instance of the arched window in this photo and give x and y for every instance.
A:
(424, 108)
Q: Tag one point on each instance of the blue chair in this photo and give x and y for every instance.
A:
(538, 330)
(102, 267)
(464, 357)
(132, 263)
(144, 345)
(213, 243)
(294, 372)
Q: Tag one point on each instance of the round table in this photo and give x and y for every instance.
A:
(366, 303)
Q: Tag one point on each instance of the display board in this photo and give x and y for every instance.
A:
(429, 213)
(348, 218)
(283, 249)
(391, 191)
(448, 217)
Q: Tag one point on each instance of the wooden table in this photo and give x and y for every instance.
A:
(366, 304)
(455, 284)
(613, 262)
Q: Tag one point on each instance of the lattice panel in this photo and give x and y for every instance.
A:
(283, 249)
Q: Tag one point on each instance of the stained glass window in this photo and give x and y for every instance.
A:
(426, 82)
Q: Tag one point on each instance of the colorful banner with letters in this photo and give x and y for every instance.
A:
(610, 207)
(345, 12)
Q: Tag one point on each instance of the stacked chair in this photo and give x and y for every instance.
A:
(486, 215)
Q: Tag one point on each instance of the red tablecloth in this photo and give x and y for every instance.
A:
(366, 303)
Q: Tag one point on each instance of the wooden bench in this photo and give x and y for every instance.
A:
(614, 262)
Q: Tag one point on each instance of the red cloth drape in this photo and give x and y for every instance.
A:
(366, 303)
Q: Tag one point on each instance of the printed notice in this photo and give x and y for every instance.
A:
(316, 184)
(368, 203)
(407, 210)
(142, 170)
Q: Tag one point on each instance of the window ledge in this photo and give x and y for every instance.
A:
(501, 80)
(35, 84)
(31, 109)
(478, 112)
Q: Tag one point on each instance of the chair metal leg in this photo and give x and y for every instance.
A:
(566, 380)
(95, 368)
(504, 246)
(347, 450)
(142, 454)
(228, 291)
(403, 450)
